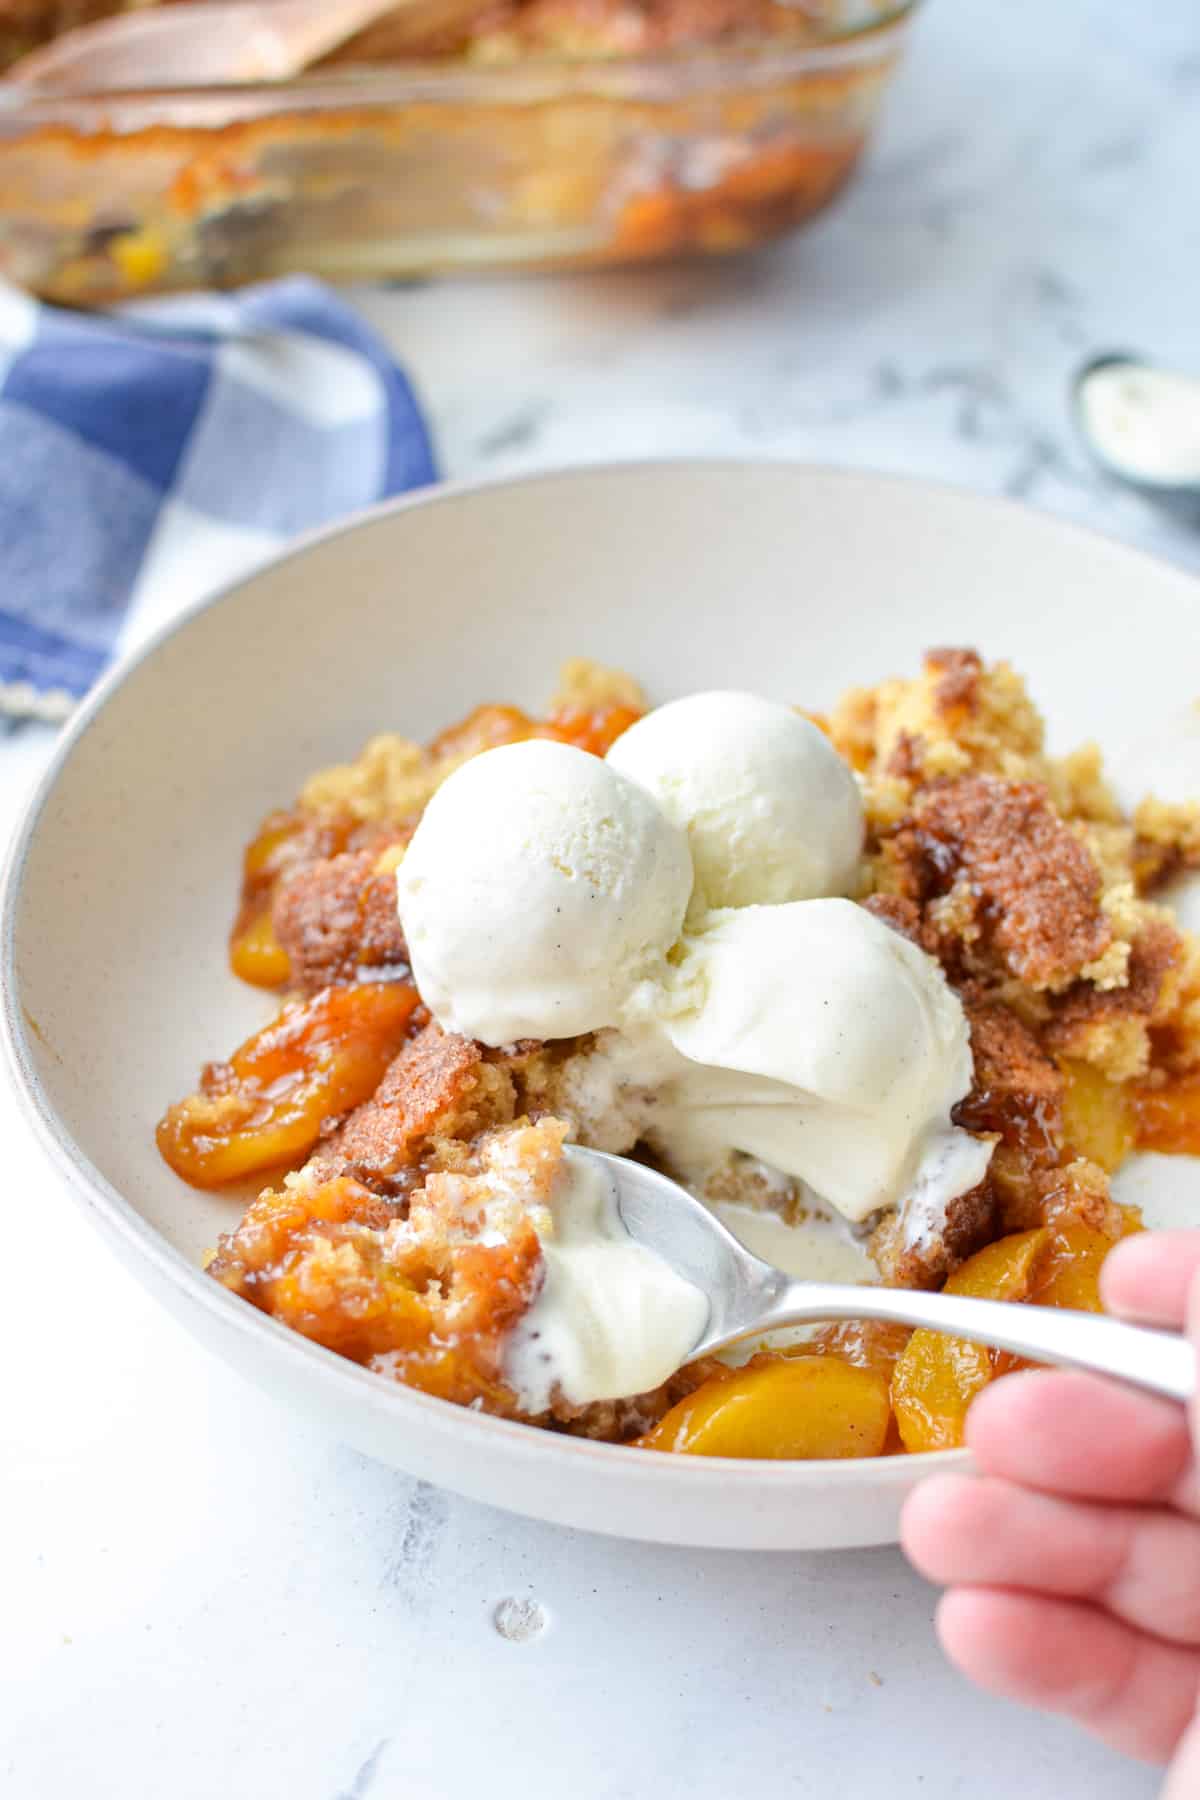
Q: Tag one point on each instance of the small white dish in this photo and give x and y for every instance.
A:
(789, 580)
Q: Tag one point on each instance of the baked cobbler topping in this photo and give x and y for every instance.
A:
(897, 964)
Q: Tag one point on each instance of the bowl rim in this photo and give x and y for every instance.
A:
(667, 75)
(119, 1219)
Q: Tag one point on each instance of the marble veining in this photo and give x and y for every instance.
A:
(364, 1775)
(421, 1528)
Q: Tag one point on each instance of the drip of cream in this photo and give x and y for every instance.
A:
(612, 1317)
(818, 1248)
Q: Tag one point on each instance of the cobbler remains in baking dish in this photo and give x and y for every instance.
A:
(413, 1169)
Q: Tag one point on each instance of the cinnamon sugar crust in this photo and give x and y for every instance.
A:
(440, 1087)
(337, 918)
(1027, 885)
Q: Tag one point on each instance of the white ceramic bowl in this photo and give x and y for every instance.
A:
(793, 581)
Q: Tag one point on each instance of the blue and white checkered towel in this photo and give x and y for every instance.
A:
(148, 455)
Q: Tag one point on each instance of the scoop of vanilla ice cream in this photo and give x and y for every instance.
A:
(548, 894)
(539, 889)
(771, 811)
(822, 1042)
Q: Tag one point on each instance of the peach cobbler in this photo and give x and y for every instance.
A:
(891, 986)
(515, 133)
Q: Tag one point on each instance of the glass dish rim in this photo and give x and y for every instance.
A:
(662, 76)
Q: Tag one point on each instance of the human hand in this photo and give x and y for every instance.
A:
(1073, 1563)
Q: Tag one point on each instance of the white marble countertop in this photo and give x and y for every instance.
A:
(200, 1598)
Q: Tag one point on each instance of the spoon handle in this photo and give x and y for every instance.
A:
(1159, 1361)
(225, 41)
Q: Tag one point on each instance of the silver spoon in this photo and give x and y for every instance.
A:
(215, 42)
(747, 1296)
(1179, 496)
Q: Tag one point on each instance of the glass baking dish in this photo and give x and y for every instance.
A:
(375, 172)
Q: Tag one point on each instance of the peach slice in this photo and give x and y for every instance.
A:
(780, 1407)
(937, 1377)
(280, 1090)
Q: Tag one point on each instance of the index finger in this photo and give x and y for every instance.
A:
(1080, 1435)
(1148, 1277)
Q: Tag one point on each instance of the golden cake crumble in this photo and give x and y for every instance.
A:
(406, 1236)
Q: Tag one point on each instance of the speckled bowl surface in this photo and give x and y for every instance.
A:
(790, 580)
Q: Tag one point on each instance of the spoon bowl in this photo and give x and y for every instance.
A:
(748, 1298)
